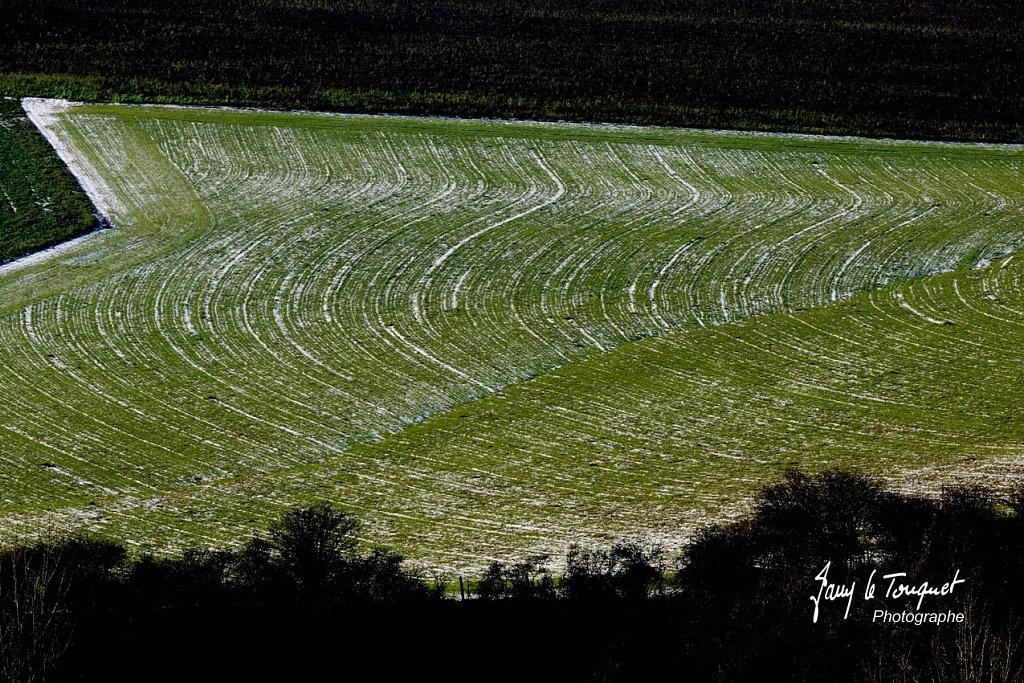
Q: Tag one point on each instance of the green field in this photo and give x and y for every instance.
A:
(40, 203)
(489, 337)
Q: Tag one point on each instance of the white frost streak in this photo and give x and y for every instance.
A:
(439, 261)
(45, 115)
(903, 304)
(10, 201)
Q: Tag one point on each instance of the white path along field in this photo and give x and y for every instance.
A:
(281, 287)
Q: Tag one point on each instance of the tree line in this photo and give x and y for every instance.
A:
(306, 597)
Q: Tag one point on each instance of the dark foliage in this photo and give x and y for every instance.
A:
(529, 579)
(752, 583)
(311, 546)
(925, 69)
(304, 591)
(627, 571)
(307, 596)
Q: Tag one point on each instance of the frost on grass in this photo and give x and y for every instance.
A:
(284, 289)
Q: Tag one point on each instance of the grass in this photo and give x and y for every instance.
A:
(489, 337)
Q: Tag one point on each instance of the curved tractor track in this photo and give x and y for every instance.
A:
(299, 306)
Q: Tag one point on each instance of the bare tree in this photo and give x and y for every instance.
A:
(36, 622)
(982, 648)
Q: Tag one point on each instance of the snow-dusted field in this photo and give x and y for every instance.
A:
(301, 306)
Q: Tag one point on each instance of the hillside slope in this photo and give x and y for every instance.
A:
(281, 288)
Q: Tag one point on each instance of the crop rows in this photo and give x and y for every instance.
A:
(918, 384)
(281, 289)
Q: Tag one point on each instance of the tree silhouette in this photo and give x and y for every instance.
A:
(312, 546)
